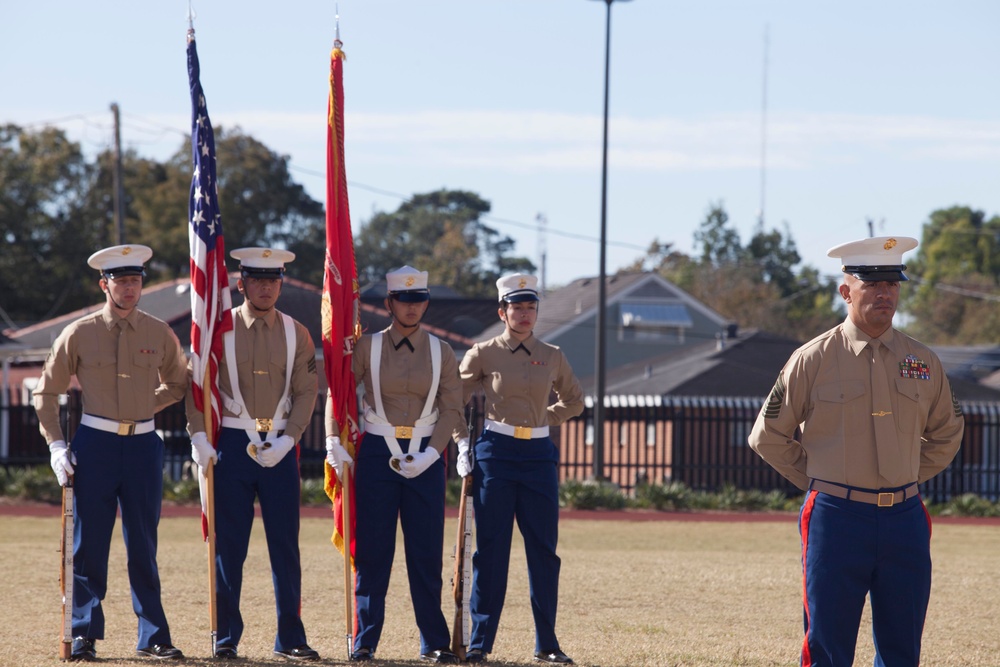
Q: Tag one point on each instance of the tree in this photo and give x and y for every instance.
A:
(756, 285)
(955, 279)
(439, 232)
(48, 228)
(261, 204)
(56, 209)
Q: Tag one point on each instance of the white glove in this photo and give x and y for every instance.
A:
(62, 460)
(337, 456)
(463, 463)
(201, 451)
(415, 464)
(271, 452)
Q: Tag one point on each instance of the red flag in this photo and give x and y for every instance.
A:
(211, 302)
(341, 316)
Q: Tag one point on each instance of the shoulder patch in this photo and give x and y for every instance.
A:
(955, 405)
(774, 400)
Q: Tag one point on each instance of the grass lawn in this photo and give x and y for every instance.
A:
(632, 594)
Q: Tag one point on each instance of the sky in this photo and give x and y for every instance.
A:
(832, 119)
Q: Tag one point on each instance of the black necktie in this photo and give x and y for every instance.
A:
(404, 341)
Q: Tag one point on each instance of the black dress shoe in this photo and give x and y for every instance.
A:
(363, 654)
(161, 652)
(554, 657)
(226, 652)
(441, 656)
(83, 650)
(475, 655)
(299, 653)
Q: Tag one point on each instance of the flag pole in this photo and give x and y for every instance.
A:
(213, 616)
(348, 578)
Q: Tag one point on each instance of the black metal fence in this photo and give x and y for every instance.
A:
(701, 442)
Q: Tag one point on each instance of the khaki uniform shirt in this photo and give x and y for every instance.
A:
(519, 378)
(826, 388)
(152, 375)
(261, 356)
(405, 378)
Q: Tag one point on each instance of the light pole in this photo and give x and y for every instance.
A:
(602, 296)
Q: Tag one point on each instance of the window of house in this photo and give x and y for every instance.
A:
(653, 321)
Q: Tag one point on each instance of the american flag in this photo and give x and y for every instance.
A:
(211, 302)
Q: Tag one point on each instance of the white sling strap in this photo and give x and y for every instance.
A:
(379, 417)
(236, 404)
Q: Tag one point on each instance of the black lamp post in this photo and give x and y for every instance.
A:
(602, 295)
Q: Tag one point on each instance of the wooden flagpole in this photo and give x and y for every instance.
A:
(213, 617)
(66, 573)
(345, 513)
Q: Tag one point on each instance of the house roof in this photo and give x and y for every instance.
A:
(454, 320)
(569, 306)
(743, 366)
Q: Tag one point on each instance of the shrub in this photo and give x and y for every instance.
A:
(669, 496)
(313, 492)
(590, 495)
(38, 483)
(969, 505)
(182, 491)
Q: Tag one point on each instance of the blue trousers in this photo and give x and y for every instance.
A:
(850, 550)
(382, 495)
(238, 480)
(115, 472)
(515, 479)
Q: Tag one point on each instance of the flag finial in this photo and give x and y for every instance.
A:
(191, 15)
(336, 15)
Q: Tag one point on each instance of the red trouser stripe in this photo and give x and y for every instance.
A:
(804, 518)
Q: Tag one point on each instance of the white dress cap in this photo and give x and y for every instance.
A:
(518, 287)
(121, 260)
(407, 284)
(874, 259)
(262, 262)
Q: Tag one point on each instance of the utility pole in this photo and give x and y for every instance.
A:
(119, 193)
(763, 130)
(542, 250)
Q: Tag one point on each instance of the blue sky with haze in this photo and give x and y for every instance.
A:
(882, 111)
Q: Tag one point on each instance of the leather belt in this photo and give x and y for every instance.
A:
(882, 499)
(519, 432)
(259, 425)
(122, 427)
(399, 432)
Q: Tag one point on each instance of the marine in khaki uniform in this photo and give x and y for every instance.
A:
(268, 383)
(412, 403)
(876, 416)
(516, 466)
(129, 366)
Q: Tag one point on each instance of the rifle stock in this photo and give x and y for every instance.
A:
(461, 583)
(66, 573)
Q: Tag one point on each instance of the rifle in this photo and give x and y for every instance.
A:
(461, 582)
(66, 575)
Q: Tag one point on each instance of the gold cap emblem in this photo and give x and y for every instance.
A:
(410, 280)
(126, 250)
(521, 283)
(889, 245)
(267, 253)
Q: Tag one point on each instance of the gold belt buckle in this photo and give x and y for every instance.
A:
(522, 432)
(404, 432)
(126, 427)
(264, 425)
(886, 499)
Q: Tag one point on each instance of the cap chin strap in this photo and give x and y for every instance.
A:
(396, 319)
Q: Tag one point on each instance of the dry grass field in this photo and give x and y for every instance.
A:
(633, 594)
